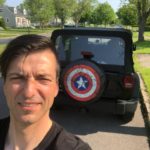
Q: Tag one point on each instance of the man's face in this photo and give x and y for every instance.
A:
(31, 86)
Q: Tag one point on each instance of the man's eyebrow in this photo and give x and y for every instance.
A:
(14, 74)
(37, 75)
(45, 75)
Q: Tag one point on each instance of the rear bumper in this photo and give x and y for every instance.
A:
(114, 106)
(124, 106)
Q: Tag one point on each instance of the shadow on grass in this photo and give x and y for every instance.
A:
(142, 45)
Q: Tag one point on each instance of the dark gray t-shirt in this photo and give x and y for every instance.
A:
(57, 138)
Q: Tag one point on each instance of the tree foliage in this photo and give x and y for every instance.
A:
(2, 23)
(148, 21)
(143, 12)
(39, 11)
(21, 6)
(86, 17)
(2, 2)
(63, 9)
(103, 14)
(143, 9)
(81, 8)
(127, 14)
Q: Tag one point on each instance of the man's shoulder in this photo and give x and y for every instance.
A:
(58, 138)
(69, 141)
(4, 125)
(4, 121)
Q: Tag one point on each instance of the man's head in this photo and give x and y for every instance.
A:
(30, 70)
(25, 45)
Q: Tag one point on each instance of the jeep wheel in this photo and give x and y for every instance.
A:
(83, 81)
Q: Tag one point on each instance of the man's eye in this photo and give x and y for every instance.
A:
(44, 79)
(17, 78)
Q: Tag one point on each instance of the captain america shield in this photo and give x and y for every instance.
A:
(82, 83)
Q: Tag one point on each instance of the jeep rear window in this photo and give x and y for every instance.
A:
(105, 50)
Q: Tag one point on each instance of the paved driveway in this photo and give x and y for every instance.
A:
(104, 131)
(144, 60)
(5, 40)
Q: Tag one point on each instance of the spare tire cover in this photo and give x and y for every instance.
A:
(83, 80)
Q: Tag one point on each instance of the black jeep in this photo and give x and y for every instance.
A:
(97, 67)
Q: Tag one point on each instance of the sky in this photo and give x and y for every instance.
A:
(114, 3)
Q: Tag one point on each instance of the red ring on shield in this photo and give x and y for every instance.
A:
(92, 77)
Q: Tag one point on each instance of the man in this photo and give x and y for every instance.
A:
(30, 69)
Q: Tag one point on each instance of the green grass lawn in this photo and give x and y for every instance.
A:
(142, 48)
(17, 32)
(2, 46)
(144, 72)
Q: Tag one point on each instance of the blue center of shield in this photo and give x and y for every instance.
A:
(81, 83)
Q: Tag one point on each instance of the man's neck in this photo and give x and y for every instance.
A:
(27, 137)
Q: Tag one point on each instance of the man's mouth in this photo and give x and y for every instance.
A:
(28, 106)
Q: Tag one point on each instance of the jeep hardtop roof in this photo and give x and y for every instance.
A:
(125, 34)
(97, 29)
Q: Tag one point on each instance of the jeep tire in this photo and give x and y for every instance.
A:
(83, 81)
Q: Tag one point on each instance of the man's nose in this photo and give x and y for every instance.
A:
(29, 88)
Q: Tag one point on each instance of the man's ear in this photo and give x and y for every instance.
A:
(3, 84)
(56, 89)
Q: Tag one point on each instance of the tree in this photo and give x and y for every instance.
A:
(63, 9)
(94, 17)
(39, 11)
(127, 14)
(81, 8)
(2, 2)
(143, 11)
(104, 14)
(2, 23)
(21, 6)
(86, 18)
(148, 21)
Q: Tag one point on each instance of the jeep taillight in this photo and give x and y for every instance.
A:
(128, 81)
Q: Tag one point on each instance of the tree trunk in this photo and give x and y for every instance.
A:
(141, 29)
(76, 23)
(62, 22)
(141, 21)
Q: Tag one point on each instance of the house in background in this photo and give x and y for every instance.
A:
(14, 17)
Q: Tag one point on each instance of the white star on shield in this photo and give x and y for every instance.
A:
(81, 83)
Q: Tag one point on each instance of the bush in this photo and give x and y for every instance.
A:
(2, 23)
(147, 28)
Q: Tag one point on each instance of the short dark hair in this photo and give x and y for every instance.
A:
(24, 45)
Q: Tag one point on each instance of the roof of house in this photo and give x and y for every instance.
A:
(19, 12)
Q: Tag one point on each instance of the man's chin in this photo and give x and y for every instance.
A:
(26, 120)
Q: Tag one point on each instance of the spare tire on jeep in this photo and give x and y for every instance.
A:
(83, 81)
